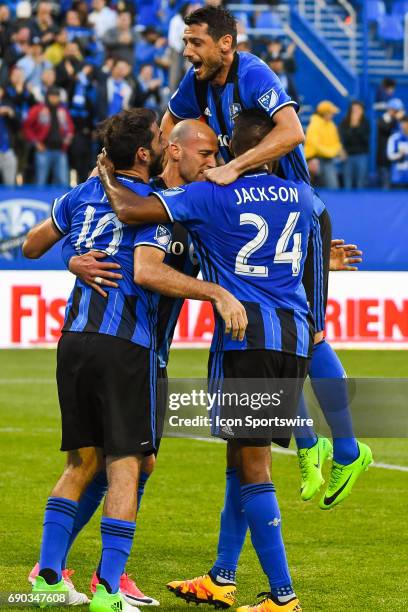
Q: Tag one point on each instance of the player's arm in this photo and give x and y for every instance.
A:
(168, 122)
(285, 136)
(129, 207)
(89, 267)
(342, 255)
(151, 272)
(40, 239)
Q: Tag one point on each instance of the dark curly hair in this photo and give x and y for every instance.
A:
(220, 22)
(123, 134)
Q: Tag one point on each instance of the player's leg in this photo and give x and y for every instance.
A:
(59, 517)
(258, 495)
(127, 395)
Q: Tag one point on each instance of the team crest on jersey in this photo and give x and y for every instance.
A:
(235, 109)
(269, 100)
(207, 112)
(163, 236)
(172, 191)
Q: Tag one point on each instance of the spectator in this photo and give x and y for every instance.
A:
(120, 41)
(33, 63)
(43, 26)
(149, 46)
(49, 127)
(70, 65)
(355, 137)
(323, 145)
(114, 93)
(19, 46)
(102, 18)
(21, 99)
(397, 153)
(8, 160)
(385, 93)
(386, 125)
(147, 90)
(176, 45)
(278, 66)
(5, 29)
(81, 106)
(275, 49)
(54, 53)
(48, 80)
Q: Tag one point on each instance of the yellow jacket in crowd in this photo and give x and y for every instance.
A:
(322, 138)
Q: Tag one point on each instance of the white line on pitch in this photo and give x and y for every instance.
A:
(288, 451)
(26, 381)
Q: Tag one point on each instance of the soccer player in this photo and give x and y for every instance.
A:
(250, 237)
(220, 84)
(107, 360)
(192, 149)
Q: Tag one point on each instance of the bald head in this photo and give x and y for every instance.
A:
(191, 130)
(193, 147)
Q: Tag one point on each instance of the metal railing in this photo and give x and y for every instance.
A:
(406, 43)
(320, 14)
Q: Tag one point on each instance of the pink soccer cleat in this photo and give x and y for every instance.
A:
(130, 592)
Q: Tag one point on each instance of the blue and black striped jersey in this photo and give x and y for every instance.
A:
(250, 84)
(180, 256)
(129, 312)
(251, 238)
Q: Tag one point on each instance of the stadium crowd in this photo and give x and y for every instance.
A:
(67, 65)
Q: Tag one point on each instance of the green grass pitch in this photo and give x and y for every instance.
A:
(351, 558)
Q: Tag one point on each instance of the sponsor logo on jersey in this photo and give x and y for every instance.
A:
(269, 100)
(172, 191)
(235, 109)
(163, 236)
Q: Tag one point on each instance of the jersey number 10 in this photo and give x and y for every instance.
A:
(282, 256)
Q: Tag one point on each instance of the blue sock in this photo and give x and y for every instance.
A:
(87, 506)
(304, 434)
(264, 520)
(233, 529)
(143, 478)
(330, 387)
(117, 539)
(58, 523)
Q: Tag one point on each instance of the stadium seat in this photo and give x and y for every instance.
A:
(242, 17)
(390, 28)
(271, 21)
(375, 10)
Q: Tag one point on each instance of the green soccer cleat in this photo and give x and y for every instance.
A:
(343, 477)
(102, 601)
(49, 594)
(311, 461)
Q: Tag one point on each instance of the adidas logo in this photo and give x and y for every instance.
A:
(117, 606)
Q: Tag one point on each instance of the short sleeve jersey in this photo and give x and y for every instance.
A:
(130, 312)
(251, 238)
(250, 84)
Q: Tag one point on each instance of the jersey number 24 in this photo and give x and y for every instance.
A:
(282, 255)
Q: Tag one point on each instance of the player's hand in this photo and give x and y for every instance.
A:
(106, 169)
(342, 255)
(233, 313)
(89, 267)
(223, 175)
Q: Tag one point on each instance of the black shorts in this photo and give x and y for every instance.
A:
(261, 372)
(317, 267)
(107, 393)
